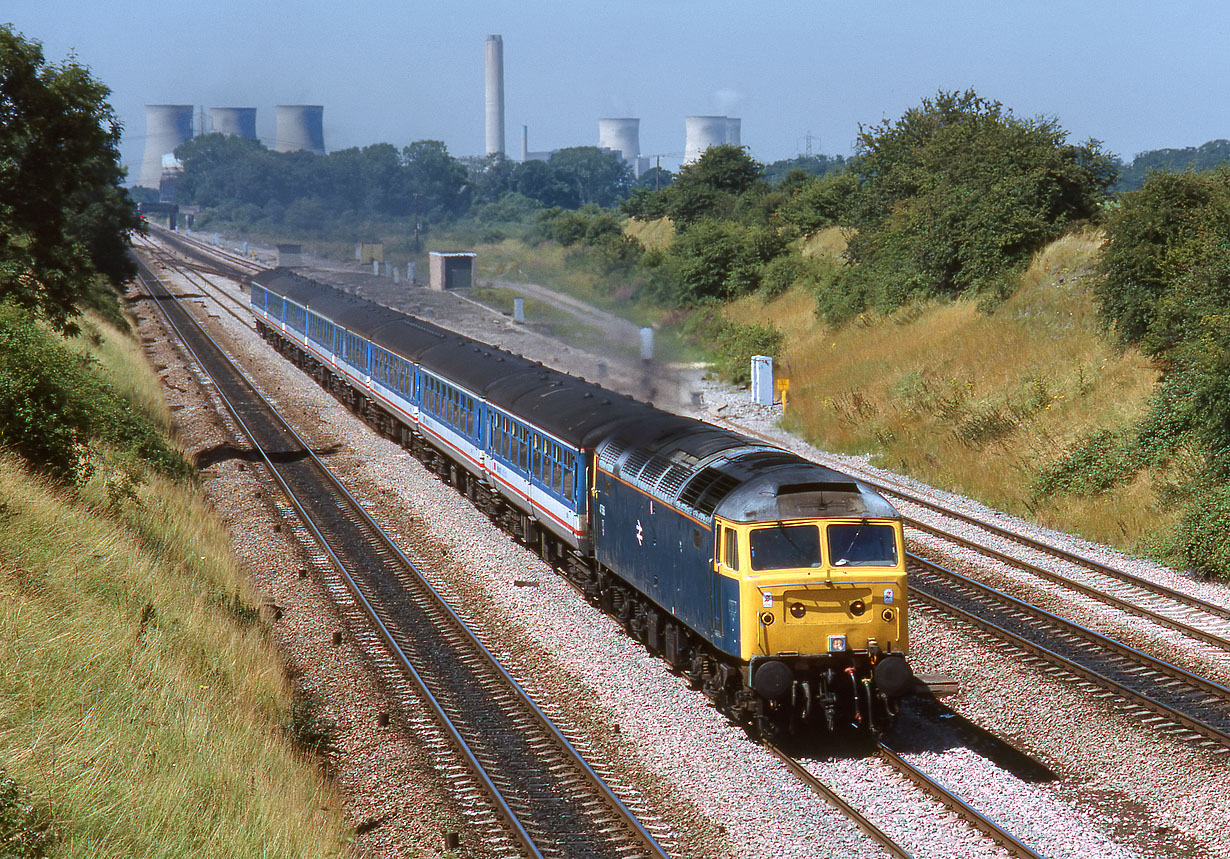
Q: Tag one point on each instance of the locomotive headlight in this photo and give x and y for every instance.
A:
(797, 609)
(857, 608)
(837, 644)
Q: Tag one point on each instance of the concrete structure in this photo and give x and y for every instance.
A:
(166, 126)
(300, 127)
(495, 95)
(701, 132)
(235, 121)
(451, 270)
(622, 135)
(734, 131)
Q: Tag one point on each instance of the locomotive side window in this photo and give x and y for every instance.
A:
(785, 547)
(862, 545)
(730, 548)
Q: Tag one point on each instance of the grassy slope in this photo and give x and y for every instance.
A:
(139, 696)
(977, 402)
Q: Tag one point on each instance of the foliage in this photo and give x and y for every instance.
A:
(958, 190)
(807, 165)
(816, 203)
(1207, 156)
(25, 829)
(732, 344)
(716, 259)
(707, 188)
(1201, 540)
(64, 216)
(56, 404)
(1161, 240)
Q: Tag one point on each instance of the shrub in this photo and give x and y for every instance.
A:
(25, 830)
(55, 405)
(732, 345)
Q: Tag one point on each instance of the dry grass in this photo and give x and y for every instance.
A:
(139, 701)
(651, 234)
(974, 402)
(829, 242)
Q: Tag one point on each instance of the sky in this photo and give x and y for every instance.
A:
(800, 75)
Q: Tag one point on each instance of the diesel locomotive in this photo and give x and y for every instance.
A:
(776, 585)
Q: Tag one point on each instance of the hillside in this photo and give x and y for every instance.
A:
(977, 402)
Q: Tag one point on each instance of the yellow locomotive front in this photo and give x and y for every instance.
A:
(823, 597)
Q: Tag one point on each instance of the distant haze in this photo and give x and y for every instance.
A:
(1137, 76)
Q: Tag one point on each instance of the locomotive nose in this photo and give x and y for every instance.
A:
(773, 679)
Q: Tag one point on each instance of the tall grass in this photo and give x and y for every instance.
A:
(140, 699)
(978, 402)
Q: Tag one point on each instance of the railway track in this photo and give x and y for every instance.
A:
(548, 800)
(934, 789)
(1165, 690)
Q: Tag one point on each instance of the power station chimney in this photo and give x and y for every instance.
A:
(166, 126)
(235, 121)
(525, 143)
(495, 95)
(300, 127)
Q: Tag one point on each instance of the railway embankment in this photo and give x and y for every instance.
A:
(144, 710)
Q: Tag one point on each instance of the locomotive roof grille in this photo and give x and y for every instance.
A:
(706, 490)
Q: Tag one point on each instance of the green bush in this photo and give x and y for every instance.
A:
(732, 345)
(957, 191)
(55, 405)
(1201, 541)
(25, 829)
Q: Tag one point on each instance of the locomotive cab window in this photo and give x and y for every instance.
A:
(863, 545)
(730, 548)
(785, 547)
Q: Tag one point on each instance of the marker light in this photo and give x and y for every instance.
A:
(857, 608)
(797, 609)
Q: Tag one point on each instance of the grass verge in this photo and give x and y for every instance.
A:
(141, 701)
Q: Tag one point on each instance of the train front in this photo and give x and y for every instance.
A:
(821, 581)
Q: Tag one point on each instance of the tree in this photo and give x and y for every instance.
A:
(64, 216)
(959, 190)
(593, 175)
(437, 177)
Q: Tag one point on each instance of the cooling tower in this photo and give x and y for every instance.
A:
(734, 130)
(495, 95)
(166, 126)
(623, 135)
(236, 121)
(300, 127)
(701, 133)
